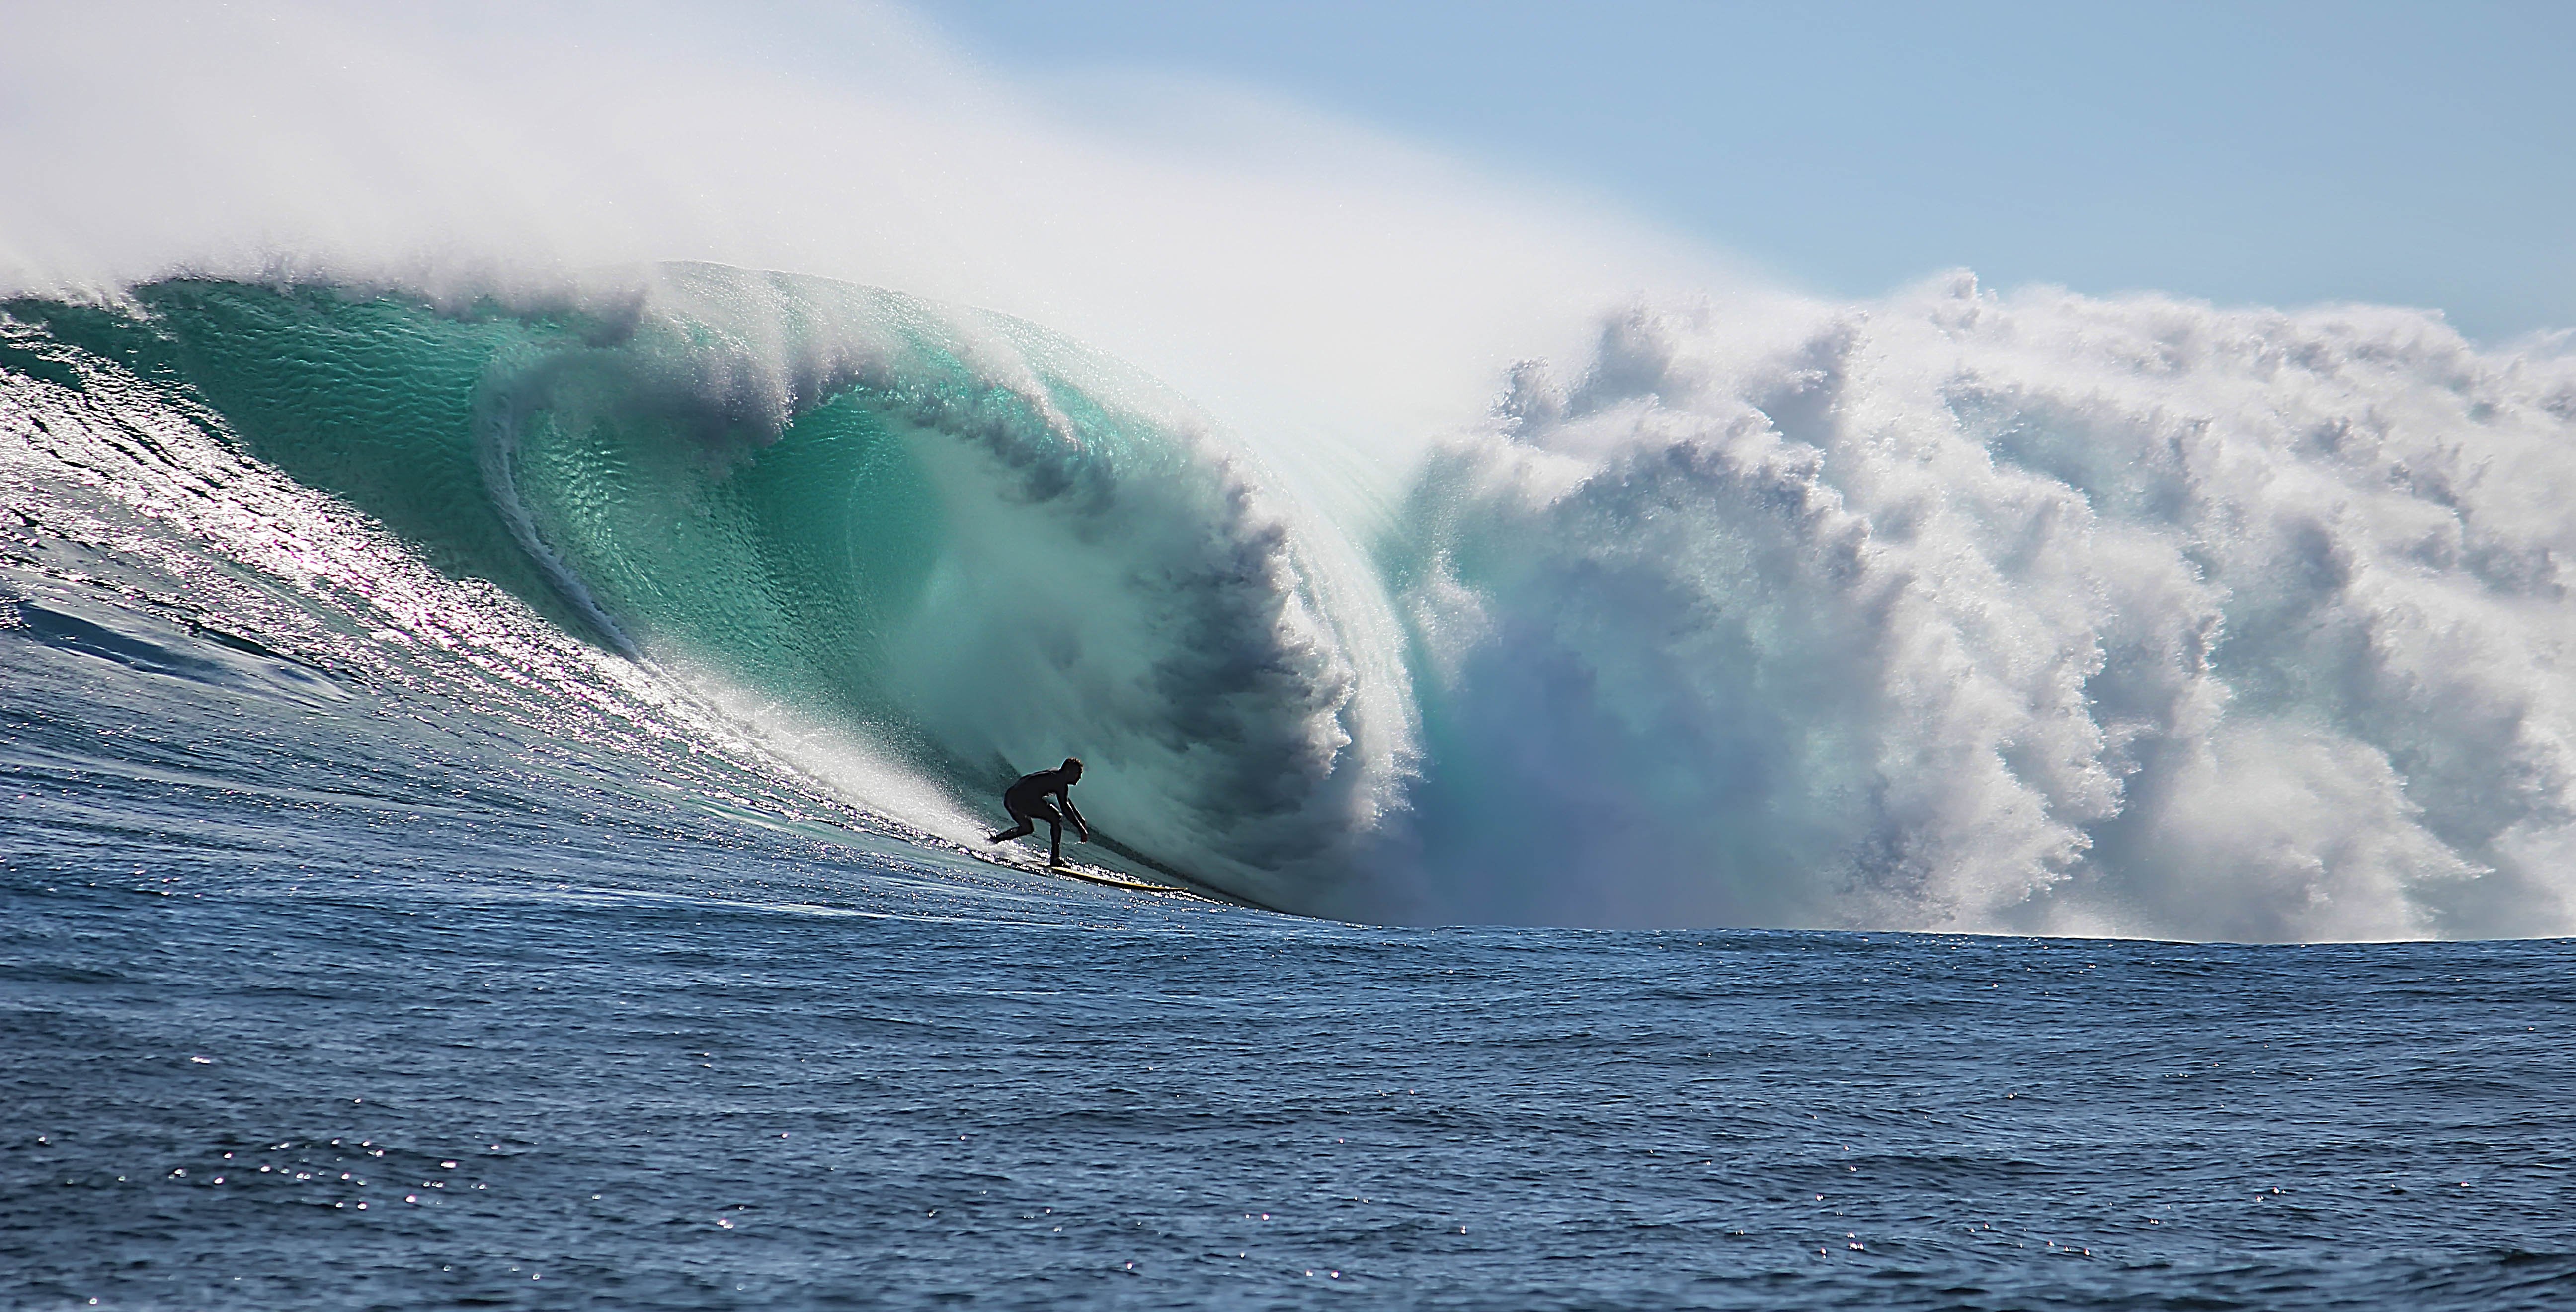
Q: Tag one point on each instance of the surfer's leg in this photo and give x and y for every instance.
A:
(1055, 836)
(1026, 827)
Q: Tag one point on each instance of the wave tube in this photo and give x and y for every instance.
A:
(989, 547)
(965, 542)
(2034, 613)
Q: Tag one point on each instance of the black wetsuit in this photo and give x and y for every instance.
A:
(1027, 802)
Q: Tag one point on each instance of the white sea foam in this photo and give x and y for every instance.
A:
(2023, 612)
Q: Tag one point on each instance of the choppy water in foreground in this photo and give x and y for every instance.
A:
(316, 1053)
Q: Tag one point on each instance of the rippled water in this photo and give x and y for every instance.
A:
(278, 1046)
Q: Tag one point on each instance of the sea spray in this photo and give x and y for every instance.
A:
(2027, 612)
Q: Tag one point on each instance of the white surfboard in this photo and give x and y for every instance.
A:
(1074, 870)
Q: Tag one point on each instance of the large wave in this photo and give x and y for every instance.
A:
(1956, 611)
(948, 536)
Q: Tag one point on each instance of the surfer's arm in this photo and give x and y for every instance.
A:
(1080, 825)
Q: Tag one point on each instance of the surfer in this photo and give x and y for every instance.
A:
(1027, 802)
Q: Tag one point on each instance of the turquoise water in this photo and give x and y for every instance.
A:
(947, 536)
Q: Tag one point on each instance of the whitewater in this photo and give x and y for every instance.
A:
(1959, 611)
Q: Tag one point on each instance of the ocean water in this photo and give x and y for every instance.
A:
(491, 790)
(339, 1052)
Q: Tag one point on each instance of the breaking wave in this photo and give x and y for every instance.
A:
(1954, 611)
(949, 537)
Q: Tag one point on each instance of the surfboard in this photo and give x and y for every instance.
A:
(1111, 878)
(1086, 873)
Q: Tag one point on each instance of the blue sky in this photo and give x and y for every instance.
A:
(2275, 153)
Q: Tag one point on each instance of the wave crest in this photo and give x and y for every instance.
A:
(2027, 613)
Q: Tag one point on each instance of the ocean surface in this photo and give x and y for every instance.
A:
(281, 1046)
(490, 798)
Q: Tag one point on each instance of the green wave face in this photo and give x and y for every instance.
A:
(786, 558)
(373, 400)
(967, 543)
(811, 549)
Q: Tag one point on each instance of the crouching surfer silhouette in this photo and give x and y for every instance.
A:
(1027, 802)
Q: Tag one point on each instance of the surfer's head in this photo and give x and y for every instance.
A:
(1071, 769)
